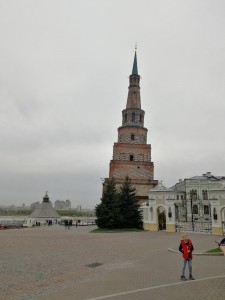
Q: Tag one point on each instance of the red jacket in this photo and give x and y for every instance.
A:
(186, 248)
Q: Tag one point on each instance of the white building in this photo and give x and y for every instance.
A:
(193, 204)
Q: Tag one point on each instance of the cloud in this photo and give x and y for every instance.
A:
(64, 68)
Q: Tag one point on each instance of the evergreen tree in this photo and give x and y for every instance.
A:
(130, 215)
(107, 210)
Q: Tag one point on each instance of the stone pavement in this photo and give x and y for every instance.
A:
(54, 263)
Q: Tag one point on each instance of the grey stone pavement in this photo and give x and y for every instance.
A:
(54, 263)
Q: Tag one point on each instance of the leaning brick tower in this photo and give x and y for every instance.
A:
(131, 153)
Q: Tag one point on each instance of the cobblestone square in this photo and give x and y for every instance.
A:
(54, 263)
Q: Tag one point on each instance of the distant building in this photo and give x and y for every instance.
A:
(79, 208)
(35, 205)
(44, 212)
(60, 204)
(68, 204)
(193, 204)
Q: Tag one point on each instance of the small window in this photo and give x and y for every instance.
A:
(140, 118)
(125, 118)
(132, 137)
(131, 157)
(133, 117)
(206, 210)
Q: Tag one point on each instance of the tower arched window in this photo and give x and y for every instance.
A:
(125, 118)
(131, 157)
(133, 117)
(140, 118)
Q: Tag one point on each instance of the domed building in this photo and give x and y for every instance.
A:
(44, 212)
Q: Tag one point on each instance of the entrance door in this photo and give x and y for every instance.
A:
(161, 218)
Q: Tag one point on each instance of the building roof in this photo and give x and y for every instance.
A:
(207, 176)
(160, 187)
(45, 210)
(135, 68)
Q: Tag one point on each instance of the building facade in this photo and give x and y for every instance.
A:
(60, 204)
(193, 204)
(131, 153)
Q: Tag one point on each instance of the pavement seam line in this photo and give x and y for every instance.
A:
(154, 287)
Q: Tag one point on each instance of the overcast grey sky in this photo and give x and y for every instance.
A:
(64, 68)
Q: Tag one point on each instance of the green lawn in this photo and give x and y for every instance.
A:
(215, 250)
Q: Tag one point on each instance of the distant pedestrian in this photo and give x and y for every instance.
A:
(186, 248)
(76, 223)
(66, 223)
(70, 223)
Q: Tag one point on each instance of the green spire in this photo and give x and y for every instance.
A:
(135, 68)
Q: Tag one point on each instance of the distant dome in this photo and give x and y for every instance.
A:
(46, 197)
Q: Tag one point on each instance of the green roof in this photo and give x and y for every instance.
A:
(135, 68)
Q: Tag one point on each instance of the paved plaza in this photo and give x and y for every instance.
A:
(54, 263)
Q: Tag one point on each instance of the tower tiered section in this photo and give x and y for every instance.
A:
(131, 153)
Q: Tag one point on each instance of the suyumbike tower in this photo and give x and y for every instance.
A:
(131, 153)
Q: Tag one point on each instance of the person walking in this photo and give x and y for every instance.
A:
(186, 247)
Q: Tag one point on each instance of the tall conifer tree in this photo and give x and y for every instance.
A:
(130, 215)
(107, 210)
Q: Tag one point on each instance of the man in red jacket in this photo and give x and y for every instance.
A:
(186, 248)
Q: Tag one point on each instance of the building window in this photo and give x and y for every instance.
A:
(140, 118)
(177, 197)
(193, 194)
(170, 213)
(206, 210)
(132, 137)
(195, 209)
(133, 117)
(204, 195)
(131, 157)
(125, 118)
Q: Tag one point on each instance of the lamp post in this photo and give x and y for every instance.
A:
(192, 216)
(191, 194)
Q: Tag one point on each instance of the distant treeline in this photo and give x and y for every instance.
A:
(75, 213)
(8, 212)
(62, 213)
